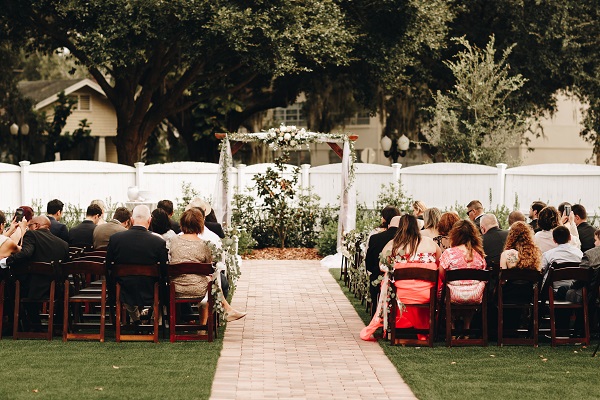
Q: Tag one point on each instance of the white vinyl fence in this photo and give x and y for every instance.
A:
(439, 185)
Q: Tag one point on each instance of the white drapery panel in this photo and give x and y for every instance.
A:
(222, 198)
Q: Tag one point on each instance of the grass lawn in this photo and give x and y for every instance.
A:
(509, 372)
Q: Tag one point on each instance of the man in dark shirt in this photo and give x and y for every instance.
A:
(534, 210)
(54, 210)
(167, 206)
(584, 229)
(39, 245)
(82, 235)
(494, 239)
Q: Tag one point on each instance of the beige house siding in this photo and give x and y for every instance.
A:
(101, 116)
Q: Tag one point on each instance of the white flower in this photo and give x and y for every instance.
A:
(287, 136)
(293, 143)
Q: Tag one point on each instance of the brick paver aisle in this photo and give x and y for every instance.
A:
(299, 340)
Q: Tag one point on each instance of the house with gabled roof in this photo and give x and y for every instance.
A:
(91, 104)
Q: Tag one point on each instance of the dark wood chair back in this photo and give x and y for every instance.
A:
(583, 276)
(532, 279)
(80, 270)
(422, 274)
(49, 270)
(466, 274)
(196, 268)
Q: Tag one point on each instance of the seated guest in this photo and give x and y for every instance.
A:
(584, 229)
(520, 251)
(408, 249)
(562, 253)
(466, 252)
(515, 216)
(534, 211)
(210, 219)
(54, 210)
(120, 222)
(39, 245)
(161, 225)
(136, 246)
(493, 239)
(387, 213)
(548, 219)
(431, 219)
(167, 205)
(447, 221)
(418, 209)
(17, 232)
(375, 245)
(7, 246)
(82, 235)
(102, 206)
(188, 247)
(475, 212)
(590, 259)
(207, 233)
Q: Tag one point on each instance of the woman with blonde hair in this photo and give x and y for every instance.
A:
(418, 209)
(431, 219)
(466, 253)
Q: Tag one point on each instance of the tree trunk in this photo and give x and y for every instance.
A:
(130, 144)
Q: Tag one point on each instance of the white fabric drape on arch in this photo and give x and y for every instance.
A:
(222, 200)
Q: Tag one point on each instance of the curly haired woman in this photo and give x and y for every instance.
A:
(520, 251)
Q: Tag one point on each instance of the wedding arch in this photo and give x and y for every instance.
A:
(289, 138)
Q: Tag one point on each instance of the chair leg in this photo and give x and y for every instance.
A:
(51, 310)
(448, 324)
(16, 311)
(172, 314)
(118, 314)
(66, 313)
(1, 307)
(103, 312)
(157, 313)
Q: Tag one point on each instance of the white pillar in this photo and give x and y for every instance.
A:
(501, 184)
(101, 149)
(305, 177)
(241, 178)
(396, 172)
(24, 181)
(139, 175)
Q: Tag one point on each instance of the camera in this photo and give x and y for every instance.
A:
(19, 215)
(567, 210)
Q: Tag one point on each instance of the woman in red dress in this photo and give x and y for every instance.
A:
(408, 249)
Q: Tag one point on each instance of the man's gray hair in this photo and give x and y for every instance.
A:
(488, 221)
(141, 213)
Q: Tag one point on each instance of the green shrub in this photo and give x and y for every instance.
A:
(327, 239)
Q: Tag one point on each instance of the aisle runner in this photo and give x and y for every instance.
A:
(299, 340)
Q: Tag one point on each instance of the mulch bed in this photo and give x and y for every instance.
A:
(275, 253)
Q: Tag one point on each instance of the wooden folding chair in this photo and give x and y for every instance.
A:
(138, 270)
(47, 269)
(582, 275)
(421, 274)
(461, 275)
(78, 269)
(531, 280)
(174, 270)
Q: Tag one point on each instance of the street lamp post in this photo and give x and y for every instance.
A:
(16, 130)
(396, 147)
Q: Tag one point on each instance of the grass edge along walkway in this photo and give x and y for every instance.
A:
(492, 372)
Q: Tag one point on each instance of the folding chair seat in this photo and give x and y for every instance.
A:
(528, 280)
(460, 275)
(174, 270)
(46, 269)
(582, 275)
(136, 270)
(76, 298)
(419, 274)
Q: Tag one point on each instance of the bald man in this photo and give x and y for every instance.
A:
(494, 239)
(137, 245)
(39, 245)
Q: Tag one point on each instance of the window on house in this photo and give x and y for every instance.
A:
(83, 102)
(360, 118)
(292, 115)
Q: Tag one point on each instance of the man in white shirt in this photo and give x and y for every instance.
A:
(563, 252)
